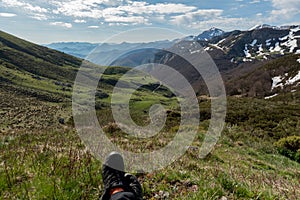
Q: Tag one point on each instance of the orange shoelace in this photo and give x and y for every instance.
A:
(116, 190)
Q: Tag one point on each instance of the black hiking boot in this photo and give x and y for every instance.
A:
(134, 186)
(112, 174)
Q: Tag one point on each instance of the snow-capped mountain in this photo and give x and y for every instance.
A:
(245, 58)
(257, 44)
(209, 34)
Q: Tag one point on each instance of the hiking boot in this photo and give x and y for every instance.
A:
(112, 174)
(134, 186)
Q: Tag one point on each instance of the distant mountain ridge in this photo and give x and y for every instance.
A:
(244, 58)
(83, 49)
(107, 50)
(78, 49)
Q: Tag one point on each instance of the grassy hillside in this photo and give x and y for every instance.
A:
(34, 70)
(42, 157)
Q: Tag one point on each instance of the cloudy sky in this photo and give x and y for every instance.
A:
(46, 21)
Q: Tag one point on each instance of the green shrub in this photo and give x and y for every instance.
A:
(290, 147)
(297, 156)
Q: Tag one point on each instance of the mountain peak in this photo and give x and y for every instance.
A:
(213, 29)
(212, 32)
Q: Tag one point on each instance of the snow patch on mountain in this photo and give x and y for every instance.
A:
(268, 42)
(221, 41)
(261, 52)
(277, 82)
(272, 96)
(207, 49)
(197, 51)
(246, 51)
(260, 26)
(291, 39)
(277, 48)
(253, 43)
(281, 81)
(294, 79)
(216, 46)
(247, 60)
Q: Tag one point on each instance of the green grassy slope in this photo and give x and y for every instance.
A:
(42, 157)
(35, 70)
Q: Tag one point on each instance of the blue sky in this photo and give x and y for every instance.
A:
(46, 21)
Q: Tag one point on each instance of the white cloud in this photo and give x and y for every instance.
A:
(133, 12)
(33, 11)
(62, 24)
(284, 9)
(80, 21)
(7, 15)
(83, 8)
(255, 1)
(39, 16)
(118, 24)
(128, 19)
(93, 27)
(160, 8)
(35, 8)
(227, 24)
(24, 5)
(122, 11)
(12, 3)
(285, 3)
(207, 18)
(199, 15)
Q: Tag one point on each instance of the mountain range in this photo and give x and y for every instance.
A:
(261, 42)
(262, 50)
(110, 50)
(261, 62)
